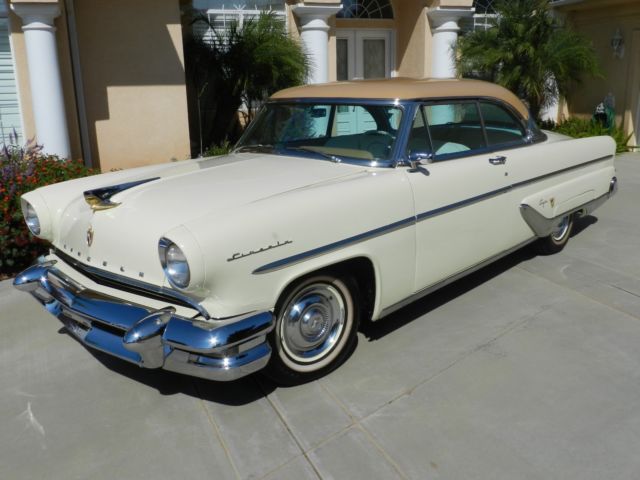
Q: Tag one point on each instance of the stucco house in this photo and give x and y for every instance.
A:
(614, 28)
(103, 80)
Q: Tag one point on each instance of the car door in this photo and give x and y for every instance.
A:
(508, 138)
(462, 216)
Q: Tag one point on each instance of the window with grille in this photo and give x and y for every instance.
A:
(484, 7)
(221, 14)
(484, 17)
(366, 9)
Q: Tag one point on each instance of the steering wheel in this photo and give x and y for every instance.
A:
(380, 144)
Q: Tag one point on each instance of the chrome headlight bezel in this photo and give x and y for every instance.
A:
(31, 217)
(174, 263)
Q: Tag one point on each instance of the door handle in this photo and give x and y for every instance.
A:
(498, 160)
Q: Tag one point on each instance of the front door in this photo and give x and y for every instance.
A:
(462, 214)
(363, 53)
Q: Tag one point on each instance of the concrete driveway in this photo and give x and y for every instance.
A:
(527, 369)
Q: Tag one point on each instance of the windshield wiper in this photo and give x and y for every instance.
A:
(256, 147)
(328, 156)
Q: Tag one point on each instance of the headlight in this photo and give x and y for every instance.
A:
(30, 217)
(174, 263)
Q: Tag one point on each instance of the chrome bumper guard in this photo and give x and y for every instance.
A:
(151, 338)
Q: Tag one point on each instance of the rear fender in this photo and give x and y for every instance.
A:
(543, 209)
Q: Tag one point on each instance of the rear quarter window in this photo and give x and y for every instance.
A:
(501, 126)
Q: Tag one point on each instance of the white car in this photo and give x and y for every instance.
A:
(341, 202)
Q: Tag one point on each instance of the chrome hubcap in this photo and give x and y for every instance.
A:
(312, 323)
(560, 230)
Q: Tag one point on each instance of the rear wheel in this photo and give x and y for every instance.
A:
(316, 326)
(558, 238)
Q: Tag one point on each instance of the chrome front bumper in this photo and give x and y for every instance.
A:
(151, 338)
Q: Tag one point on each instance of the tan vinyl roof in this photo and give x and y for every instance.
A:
(404, 89)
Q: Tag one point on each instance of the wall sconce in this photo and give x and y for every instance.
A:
(617, 44)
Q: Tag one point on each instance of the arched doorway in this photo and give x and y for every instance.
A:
(365, 40)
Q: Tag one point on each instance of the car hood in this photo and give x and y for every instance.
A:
(124, 239)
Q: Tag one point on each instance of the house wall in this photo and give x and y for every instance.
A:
(413, 39)
(131, 64)
(621, 76)
(132, 67)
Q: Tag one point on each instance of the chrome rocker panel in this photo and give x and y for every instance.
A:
(151, 338)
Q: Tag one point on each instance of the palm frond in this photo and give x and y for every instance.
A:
(529, 52)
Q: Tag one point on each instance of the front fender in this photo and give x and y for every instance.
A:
(254, 251)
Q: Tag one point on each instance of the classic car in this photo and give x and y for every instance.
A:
(341, 202)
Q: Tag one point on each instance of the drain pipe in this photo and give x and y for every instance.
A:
(83, 124)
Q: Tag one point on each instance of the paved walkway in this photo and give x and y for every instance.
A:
(527, 369)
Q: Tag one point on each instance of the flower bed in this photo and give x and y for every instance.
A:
(25, 168)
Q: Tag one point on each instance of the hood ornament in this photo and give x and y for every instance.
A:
(100, 198)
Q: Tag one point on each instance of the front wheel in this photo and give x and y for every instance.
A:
(316, 327)
(558, 238)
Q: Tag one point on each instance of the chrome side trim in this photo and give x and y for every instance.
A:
(558, 172)
(376, 232)
(500, 191)
(461, 204)
(131, 285)
(285, 262)
(100, 198)
(436, 286)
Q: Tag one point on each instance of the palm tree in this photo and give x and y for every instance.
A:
(243, 64)
(529, 51)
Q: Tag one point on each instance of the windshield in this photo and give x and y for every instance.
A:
(332, 131)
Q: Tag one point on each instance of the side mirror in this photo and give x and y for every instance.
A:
(417, 159)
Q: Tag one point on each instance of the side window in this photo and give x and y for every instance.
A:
(501, 126)
(454, 128)
(419, 136)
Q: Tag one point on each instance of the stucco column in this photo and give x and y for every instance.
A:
(444, 30)
(315, 37)
(44, 75)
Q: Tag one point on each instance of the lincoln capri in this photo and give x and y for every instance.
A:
(341, 203)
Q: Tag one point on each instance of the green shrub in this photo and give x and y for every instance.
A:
(582, 128)
(23, 169)
(221, 149)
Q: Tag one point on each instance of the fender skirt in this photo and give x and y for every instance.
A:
(543, 226)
